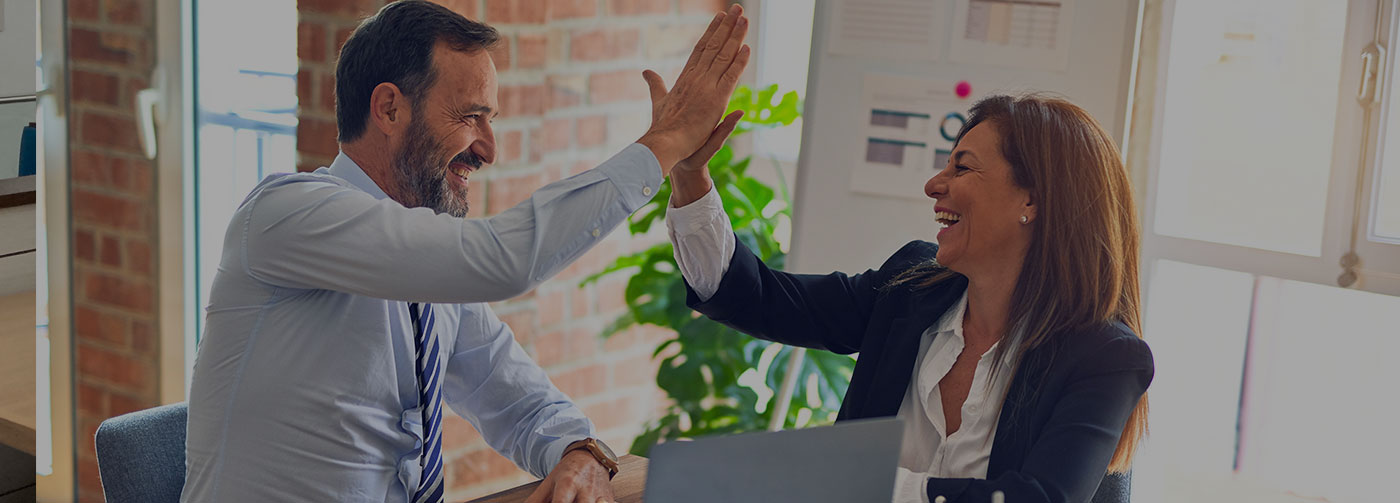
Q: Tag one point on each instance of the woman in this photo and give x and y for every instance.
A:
(1010, 349)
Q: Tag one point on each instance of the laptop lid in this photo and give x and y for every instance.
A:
(850, 461)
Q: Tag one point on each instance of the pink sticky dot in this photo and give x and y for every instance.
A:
(963, 89)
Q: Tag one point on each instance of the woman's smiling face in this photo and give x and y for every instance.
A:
(980, 206)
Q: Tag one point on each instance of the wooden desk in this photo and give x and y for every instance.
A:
(17, 371)
(627, 485)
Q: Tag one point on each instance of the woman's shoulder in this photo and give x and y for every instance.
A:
(1115, 344)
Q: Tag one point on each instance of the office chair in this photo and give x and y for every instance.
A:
(141, 455)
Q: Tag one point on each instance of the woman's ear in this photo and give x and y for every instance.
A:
(389, 110)
(1029, 211)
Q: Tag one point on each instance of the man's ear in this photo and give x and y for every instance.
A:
(389, 110)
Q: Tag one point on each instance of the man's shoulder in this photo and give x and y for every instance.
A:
(296, 185)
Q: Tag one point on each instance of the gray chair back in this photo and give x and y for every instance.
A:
(1114, 488)
(141, 455)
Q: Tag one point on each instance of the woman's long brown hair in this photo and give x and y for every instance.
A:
(1081, 270)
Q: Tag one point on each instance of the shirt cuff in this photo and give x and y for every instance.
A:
(689, 219)
(703, 241)
(636, 173)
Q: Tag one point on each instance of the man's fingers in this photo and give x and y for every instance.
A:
(731, 76)
(542, 492)
(657, 86)
(722, 60)
(716, 41)
(564, 494)
(700, 44)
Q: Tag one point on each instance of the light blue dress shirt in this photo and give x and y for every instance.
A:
(304, 386)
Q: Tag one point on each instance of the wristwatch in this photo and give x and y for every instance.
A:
(600, 452)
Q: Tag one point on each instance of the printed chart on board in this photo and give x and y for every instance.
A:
(1017, 33)
(907, 131)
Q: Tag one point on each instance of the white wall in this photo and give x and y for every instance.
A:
(17, 38)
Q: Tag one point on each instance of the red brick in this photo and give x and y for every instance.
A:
(531, 51)
(111, 251)
(572, 9)
(636, 7)
(347, 8)
(457, 432)
(562, 346)
(122, 403)
(702, 6)
(120, 370)
(91, 400)
(467, 8)
(612, 87)
(508, 146)
(476, 199)
(87, 426)
(138, 257)
(106, 289)
(500, 54)
(639, 370)
(107, 130)
(579, 303)
(621, 341)
(311, 42)
(133, 85)
(84, 245)
(107, 211)
(515, 11)
(551, 307)
(89, 479)
(553, 135)
(133, 177)
(521, 101)
(84, 10)
(127, 12)
(143, 338)
(510, 191)
(612, 293)
(592, 130)
(566, 90)
(325, 85)
(582, 382)
(612, 413)
(341, 36)
(107, 47)
(522, 323)
(94, 87)
(604, 44)
(317, 137)
(478, 466)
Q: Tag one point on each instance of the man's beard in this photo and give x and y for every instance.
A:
(422, 180)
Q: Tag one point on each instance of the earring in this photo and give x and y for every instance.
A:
(1025, 220)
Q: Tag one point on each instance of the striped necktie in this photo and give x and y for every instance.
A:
(430, 488)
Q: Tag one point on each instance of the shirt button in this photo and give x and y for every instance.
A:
(646, 191)
(596, 233)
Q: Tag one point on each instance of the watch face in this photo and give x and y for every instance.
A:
(607, 451)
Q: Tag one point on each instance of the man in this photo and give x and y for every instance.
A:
(349, 307)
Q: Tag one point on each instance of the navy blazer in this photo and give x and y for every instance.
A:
(1064, 410)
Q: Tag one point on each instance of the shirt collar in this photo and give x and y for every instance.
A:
(346, 169)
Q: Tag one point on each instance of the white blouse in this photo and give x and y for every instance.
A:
(704, 245)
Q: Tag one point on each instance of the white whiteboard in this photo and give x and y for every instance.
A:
(836, 228)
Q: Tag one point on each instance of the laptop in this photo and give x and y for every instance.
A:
(850, 461)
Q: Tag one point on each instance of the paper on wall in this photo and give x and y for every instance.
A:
(889, 29)
(1018, 33)
(906, 133)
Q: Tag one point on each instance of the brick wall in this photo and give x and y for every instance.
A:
(571, 95)
(113, 211)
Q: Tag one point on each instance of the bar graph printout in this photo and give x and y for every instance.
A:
(1019, 33)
